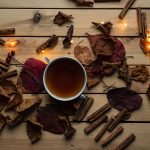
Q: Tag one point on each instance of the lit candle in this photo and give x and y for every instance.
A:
(11, 43)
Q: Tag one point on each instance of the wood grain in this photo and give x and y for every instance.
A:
(66, 4)
(21, 20)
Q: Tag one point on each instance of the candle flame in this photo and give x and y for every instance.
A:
(43, 51)
(12, 43)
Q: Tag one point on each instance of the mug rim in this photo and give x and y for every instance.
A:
(71, 97)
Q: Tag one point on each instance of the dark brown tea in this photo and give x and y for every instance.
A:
(65, 78)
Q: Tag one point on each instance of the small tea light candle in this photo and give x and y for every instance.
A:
(11, 43)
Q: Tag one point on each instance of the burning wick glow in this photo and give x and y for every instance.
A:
(43, 51)
(12, 43)
(125, 24)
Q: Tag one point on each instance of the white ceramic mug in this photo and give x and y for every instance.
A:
(62, 98)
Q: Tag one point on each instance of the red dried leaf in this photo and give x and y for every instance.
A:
(121, 98)
(32, 75)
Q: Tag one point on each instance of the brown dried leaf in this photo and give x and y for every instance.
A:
(93, 81)
(125, 74)
(8, 87)
(148, 92)
(62, 18)
(28, 103)
(3, 101)
(14, 102)
(33, 131)
(84, 54)
(2, 122)
(140, 73)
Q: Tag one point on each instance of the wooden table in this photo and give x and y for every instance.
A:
(18, 14)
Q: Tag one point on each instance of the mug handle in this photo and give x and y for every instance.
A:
(47, 60)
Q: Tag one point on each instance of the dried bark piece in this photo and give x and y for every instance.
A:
(32, 75)
(105, 27)
(125, 74)
(148, 92)
(67, 41)
(121, 98)
(14, 102)
(2, 122)
(8, 87)
(92, 81)
(2, 42)
(84, 54)
(140, 73)
(50, 43)
(62, 18)
(3, 101)
(33, 131)
(28, 103)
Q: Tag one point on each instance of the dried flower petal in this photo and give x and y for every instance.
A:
(139, 73)
(2, 122)
(62, 18)
(121, 98)
(84, 54)
(32, 75)
(28, 103)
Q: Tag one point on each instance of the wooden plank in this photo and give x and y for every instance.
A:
(28, 46)
(66, 4)
(21, 20)
(17, 139)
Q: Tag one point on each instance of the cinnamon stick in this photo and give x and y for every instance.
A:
(8, 74)
(7, 31)
(3, 62)
(3, 67)
(126, 8)
(101, 111)
(139, 19)
(95, 124)
(84, 3)
(125, 142)
(144, 24)
(112, 136)
(103, 130)
(118, 119)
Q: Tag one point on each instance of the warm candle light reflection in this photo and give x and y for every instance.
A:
(11, 43)
(43, 51)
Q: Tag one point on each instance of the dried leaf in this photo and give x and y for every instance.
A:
(2, 122)
(50, 43)
(3, 101)
(33, 131)
(7, 87)
(67, 41)
(84, 55)
(49, 118)
(62, 18)
(92, 81)
(105, 27)
(32, 75)
(140, 73)
(14, 102)
(121, 98)
(28, 103)
(125, 74)
(148, 92)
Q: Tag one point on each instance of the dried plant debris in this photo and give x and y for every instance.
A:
(36, 17)
(92, 81)
(32, 75)
(140, 73)
(2, 122)
(84, 54)
(121, 98)
(125, 74)
(3, 101)
(148, 92)
(105, 27)
(62, 18)
(68, 39)
(84, 2)
(7, 87)
(50, 43)
(14, 102)
(34, 131)
(28, 103)
(49, 118)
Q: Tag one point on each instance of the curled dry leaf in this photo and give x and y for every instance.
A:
(28, 103)
(2, 122)
(140, 73)
(62, 18)
(124, 73)
(7, 87)
(32, 75)
(121, 98)
(148, 92)
(14, 102)
(49, 117)
(3, 101)
(84, 54)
